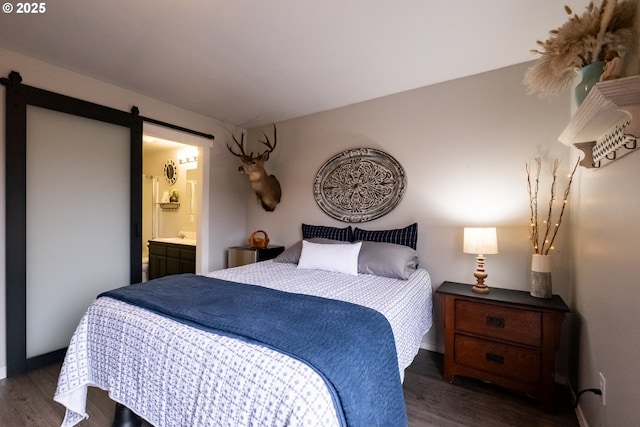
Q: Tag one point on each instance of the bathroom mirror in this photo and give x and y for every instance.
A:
(191, 190)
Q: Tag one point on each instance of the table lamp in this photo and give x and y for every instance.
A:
(480, 241)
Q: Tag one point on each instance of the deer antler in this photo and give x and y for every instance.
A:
(240, 145)
(268, 143)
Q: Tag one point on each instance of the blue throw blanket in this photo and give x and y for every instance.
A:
(352, 347)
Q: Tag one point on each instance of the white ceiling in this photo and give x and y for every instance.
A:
(252, 62)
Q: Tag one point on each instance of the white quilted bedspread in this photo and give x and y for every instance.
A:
(174, 375)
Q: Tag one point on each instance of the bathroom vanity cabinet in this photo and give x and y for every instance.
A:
(170, 258)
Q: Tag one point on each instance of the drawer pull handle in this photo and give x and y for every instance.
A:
(494, 358)
(496, 322)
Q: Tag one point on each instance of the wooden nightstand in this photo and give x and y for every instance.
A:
(506, 337)
(241, 255)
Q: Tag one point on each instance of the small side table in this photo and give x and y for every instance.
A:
(506, 337)
(241, 255)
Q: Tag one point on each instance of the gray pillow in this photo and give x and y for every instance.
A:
(292, 253)
(387, 259)
(378, 258)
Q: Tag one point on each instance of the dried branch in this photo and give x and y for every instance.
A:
(543, 248)
(552, 199)
(533, 203)
(564, 205)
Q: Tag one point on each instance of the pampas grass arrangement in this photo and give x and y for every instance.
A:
(582, 40)
(542, 238)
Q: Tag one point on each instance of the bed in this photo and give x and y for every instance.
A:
(173, 372)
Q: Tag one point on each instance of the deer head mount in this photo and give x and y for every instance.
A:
(266, 187)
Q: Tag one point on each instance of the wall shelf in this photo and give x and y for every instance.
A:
(169, 206)
(607, 124)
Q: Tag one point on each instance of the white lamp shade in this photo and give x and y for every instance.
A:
(480, 240)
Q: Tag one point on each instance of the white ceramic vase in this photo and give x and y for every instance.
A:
(541, 276)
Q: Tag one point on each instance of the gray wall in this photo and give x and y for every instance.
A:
(464, 144)
(606, 301)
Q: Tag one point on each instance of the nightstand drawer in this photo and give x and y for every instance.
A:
(504, 323)
(517, 363)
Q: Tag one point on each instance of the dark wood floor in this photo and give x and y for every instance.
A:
(432, 402)
(27, 401)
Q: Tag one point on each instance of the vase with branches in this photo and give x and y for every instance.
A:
(582, 40)
(543, 235)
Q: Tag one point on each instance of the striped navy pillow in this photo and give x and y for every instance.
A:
(333, 233)
(407, 236)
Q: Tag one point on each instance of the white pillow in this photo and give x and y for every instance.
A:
(336, 257)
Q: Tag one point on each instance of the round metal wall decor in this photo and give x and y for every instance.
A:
(170, 172)
(359, 185)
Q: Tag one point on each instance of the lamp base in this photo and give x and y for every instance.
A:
(480, 274)
(480, 288)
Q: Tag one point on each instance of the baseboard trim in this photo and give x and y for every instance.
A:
(3, 372)
(581, 420)
(578, 410)
(432, 347)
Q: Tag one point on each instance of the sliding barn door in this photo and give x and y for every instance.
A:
(78, 213)
(73, 215)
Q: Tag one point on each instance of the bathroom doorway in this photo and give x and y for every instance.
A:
(175, 163)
